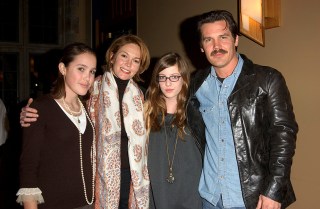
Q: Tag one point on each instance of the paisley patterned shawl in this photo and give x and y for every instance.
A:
(105, 113)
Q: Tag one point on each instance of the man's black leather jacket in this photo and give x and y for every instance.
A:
(264, 131)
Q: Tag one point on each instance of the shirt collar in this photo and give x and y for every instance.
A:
(235, 72)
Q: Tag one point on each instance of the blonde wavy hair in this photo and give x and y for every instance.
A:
(124, 40)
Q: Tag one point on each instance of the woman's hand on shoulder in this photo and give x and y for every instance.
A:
(28, 114)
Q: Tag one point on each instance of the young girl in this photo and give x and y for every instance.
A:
(58, 154)
(174, 160)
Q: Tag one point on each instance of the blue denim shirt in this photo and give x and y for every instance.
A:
(220, 175)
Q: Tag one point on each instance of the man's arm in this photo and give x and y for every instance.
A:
(282, 134)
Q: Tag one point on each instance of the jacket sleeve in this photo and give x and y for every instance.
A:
(282, 137)
(33, 138)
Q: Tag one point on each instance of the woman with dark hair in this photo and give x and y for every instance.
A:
(174, 160)
(57, 166)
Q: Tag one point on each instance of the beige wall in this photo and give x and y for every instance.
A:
(291, 48)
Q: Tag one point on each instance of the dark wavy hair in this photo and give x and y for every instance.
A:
(218, 15)
(155, 104)
(68, 55)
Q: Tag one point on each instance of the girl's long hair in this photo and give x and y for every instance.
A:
(155, 104)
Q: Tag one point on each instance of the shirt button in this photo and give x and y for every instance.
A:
(222, 159)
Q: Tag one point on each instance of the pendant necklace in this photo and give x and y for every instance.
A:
(73, 113)
(170, 178)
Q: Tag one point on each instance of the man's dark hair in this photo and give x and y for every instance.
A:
(217, 15)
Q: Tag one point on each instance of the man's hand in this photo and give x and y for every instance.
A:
(267, 203)
(28, 114)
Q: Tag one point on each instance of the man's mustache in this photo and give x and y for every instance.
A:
(222, 51)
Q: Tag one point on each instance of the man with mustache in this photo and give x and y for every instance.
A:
(241, 113)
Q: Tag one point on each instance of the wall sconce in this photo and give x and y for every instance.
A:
(254, 16)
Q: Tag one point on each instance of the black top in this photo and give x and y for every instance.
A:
(122, 84)
(187, 165)
(50, 157)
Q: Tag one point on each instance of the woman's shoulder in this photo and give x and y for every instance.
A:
(46, 107)
(44, 101)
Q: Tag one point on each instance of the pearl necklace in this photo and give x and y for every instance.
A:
(92, 154)
(69, 109)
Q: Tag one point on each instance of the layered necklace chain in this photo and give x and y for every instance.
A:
(170, 178)
(69, 109)
(75, 114)
(93, 150)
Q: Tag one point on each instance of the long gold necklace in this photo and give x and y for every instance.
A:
(170, 178)
(92, 154)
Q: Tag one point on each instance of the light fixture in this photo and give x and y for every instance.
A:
(257, 15)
